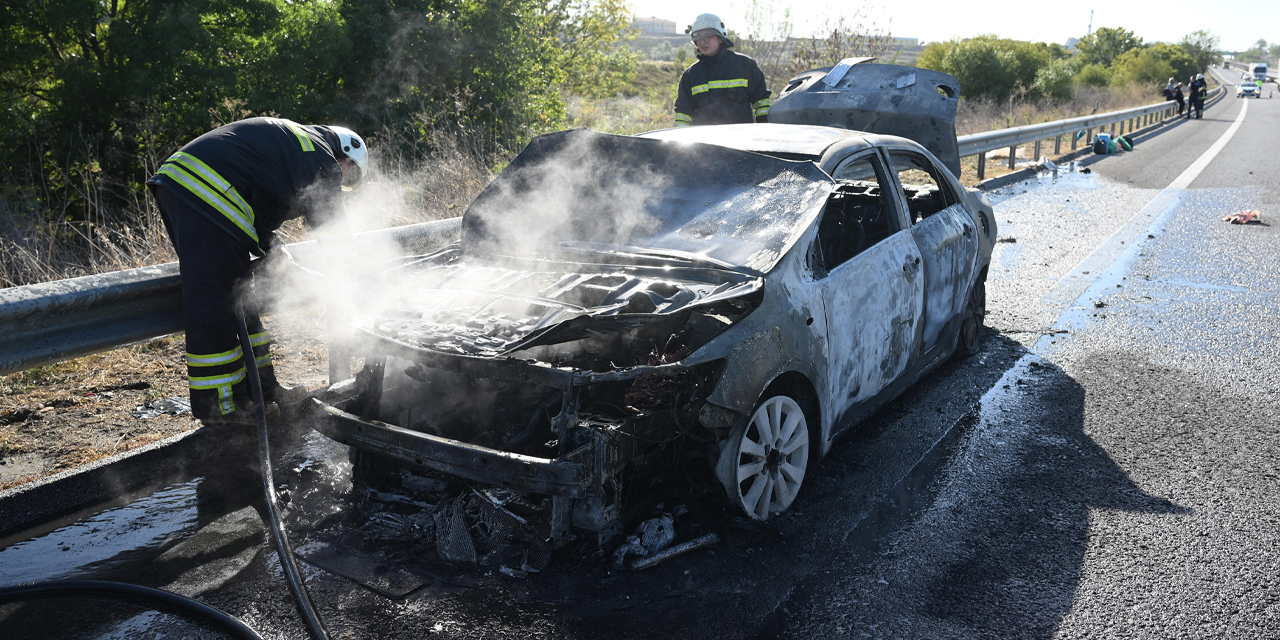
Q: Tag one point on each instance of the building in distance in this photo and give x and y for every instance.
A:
(654, 26)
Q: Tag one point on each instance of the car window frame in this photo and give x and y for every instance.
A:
(940, 175)
(887, 185)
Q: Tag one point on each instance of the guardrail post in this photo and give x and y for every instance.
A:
(1035, 155)
(1013, 156)
(1057, 146)
(1088, 138)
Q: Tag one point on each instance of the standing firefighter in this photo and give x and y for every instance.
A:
(722, 87)
(221, 197)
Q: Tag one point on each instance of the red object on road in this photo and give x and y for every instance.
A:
(1244, 217)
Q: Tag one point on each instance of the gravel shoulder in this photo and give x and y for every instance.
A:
(66, 415)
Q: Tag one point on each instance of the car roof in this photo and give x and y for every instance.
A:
(789, 140)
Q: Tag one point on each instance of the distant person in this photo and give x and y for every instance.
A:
(1198, 90)
(722, 87)
(1178, 97)
(221, 197)
(1168, 90)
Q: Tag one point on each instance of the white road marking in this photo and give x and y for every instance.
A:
(1071, 295)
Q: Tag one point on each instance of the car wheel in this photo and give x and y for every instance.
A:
(970, 341)
(763, 462)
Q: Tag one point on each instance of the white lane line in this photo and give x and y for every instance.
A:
(1111, 260)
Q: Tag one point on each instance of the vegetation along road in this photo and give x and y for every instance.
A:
(1104, 468)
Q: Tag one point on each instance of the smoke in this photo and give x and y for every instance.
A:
(575, 192)
(572, 198)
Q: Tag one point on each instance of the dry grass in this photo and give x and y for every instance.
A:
(17, 481)
(623, 115)
(36, 246)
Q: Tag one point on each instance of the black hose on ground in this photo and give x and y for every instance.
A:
(287, 562)
(119, 591)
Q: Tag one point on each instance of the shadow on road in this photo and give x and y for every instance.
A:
(994, 546)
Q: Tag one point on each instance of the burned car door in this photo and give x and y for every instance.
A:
(866, 268)
(944, 233)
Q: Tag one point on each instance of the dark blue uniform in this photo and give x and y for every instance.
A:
(221, 196)
(725, 88)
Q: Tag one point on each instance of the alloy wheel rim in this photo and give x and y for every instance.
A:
(772, 458)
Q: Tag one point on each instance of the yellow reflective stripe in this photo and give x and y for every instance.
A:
(214, 382)
(196, 166)
(259, 339)
(764, 102)
(213, 198)
(683, 120)
(719, 84)
(213, 359)
(762, 111)
(303, 138)
(263, 361)
(199, 168)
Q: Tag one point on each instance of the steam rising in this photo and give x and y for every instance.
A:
(571, 198)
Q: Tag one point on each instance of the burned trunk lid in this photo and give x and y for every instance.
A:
(887, 99)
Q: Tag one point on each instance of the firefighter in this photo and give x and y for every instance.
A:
(221, 198)
(722, 87)
(1196, 99)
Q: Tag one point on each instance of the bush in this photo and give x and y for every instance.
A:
(988, 67)
(1152, 66)
(1056, 80)
(1094, 75)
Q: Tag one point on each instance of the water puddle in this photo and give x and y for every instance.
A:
(94, 544)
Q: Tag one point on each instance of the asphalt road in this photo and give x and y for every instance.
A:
(1105, 468)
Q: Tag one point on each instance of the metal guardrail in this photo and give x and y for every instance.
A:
(979, 144)
(54, 321)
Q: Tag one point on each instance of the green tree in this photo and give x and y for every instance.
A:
(97, 92)
(1106, 44)
(1153, 66)
(1094, 75)
(1202, 47)
(1056, 80)
(988, 66)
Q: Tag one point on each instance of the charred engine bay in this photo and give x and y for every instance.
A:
(577, 364)
(593, 316)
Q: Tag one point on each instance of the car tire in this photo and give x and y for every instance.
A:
(969, 342)
(764, 460)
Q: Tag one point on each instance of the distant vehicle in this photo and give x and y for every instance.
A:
(1259, 71)
(1248, 89)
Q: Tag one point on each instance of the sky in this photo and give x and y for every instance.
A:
(1238, 24)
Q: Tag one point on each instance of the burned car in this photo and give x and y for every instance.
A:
(732, 297)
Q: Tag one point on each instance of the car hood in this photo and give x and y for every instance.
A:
(729, 207)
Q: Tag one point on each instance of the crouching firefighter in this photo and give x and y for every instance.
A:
(722, 87)
(221, 198)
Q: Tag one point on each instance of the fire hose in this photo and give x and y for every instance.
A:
(168, 600)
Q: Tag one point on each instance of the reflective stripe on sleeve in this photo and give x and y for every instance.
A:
(263, 360)
(683, 120)
(213, 359)
(259, 339)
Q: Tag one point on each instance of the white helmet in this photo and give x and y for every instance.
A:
(353, 147)
(1199, 76)
(707, 21)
